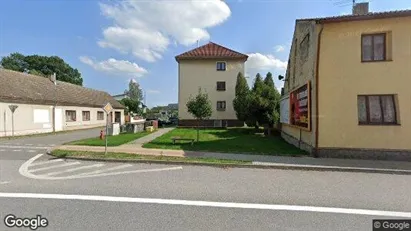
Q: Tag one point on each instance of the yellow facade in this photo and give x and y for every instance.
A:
(342, 77)
(194, 74)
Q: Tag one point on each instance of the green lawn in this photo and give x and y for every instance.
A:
(111, 140)
(234, 140)
(126, 156)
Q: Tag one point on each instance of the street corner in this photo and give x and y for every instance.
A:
(41, 168)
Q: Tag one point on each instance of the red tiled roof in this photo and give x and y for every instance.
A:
(211, 51)
(369, 16)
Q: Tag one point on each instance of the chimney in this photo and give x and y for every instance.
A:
(53, 78)
(360, 8)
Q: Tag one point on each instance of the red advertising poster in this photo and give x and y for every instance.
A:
(300, 107)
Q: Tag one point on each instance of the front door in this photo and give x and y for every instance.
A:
(117, 117)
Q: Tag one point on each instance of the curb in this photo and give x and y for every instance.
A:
(255, 165)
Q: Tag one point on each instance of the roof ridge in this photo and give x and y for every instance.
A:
(211, 50)
(369, 15)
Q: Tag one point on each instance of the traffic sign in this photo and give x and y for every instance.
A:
(13, 108)
(108, 108)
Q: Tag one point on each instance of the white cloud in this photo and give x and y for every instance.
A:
(151, 91)
(146, 28)
(279, 48)
(265, 62)
(114, 66)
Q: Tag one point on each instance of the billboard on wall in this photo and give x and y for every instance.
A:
(300, 114)
(285, 110)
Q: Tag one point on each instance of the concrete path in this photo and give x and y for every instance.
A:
(148, 138)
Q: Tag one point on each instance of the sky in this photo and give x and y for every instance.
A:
(113, 41)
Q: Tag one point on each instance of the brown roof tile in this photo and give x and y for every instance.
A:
(369, 16)
(18, 87)
(211, 51)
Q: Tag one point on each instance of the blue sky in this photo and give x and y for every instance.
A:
(111, 42)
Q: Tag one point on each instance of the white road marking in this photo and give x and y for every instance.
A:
(23, 170)
(75, 169)
(5, 182)
(107, 170)
(23, 147)
(29, 144)
(2, 150)
(46, 162)
(17, 150)
(54, 166)
(31, 151)
(274, 207)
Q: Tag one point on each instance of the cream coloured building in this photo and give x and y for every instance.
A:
(44, 106)
(214, 69)
(346, 91)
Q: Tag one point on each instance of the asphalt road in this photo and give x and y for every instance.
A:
(75, 195)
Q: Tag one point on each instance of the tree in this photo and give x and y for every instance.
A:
(134, 91)
(264, 103)
(43, 66)
(269, 80)
(241, 100)
(272, 96)
(131, 105)
(200, 108)
(256, 102)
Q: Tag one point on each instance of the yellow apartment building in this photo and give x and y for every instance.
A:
(346, 91)
(214, 69)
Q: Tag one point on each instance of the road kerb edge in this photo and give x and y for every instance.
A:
(255, 166)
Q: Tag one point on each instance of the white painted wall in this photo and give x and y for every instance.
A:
(31, 119)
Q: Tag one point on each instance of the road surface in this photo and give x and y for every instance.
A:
(83, 195)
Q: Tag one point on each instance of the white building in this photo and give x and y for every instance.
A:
(44, 106)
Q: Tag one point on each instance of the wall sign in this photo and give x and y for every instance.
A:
(300, 105)
(285, 110)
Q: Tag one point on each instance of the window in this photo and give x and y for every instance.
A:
(376, 109)
(304, 46)
(86, 115)
(70, 116)
(220, 105)
(220, 86)
(373, 47)
(221, 66)
(100, 115)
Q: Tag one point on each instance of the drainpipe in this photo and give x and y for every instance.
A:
(317, 89)
(54, 80)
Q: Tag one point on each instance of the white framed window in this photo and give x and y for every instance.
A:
(100, 115)
(86, 115)
(70, 115)
(221, 105)
(221, 66)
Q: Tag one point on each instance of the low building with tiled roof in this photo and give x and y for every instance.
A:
(45, 105)
(346, 88)
(214, 69)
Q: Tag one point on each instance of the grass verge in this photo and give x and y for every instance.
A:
(126, 156)
(232, 140)
(111, 140)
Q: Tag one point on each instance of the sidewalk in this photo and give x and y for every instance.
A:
(148, 138)
(284, 162)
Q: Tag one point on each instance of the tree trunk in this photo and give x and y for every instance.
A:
(198, 130)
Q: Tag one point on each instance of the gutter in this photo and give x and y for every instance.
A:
(316, 90)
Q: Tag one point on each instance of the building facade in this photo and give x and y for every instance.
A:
(43, 106)
(214, 69)
(346, 87)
